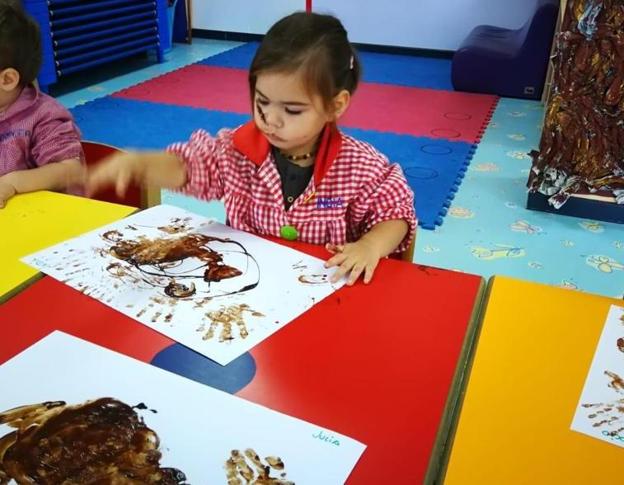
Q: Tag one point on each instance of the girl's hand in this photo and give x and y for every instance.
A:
(353, 258)
(119, 170)
(158, 169)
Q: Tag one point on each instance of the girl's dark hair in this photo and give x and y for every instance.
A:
(315, 44)
(20, 42)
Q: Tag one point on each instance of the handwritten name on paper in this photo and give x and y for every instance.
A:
(613, 436)
(328, 439)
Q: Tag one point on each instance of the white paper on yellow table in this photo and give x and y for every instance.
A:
(600, 411)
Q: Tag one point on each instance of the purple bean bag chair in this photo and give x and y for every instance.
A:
(507, 62)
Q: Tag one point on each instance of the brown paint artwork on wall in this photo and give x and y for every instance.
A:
(99, 441)
(582, 144)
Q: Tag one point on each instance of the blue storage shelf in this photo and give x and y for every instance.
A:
(79, 34)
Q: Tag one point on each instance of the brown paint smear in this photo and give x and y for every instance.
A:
(103, 441)
(248, 469)
(617, 382)
(160, 251)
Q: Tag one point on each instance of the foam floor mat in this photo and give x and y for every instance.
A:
(403, 70)
(433, 168)
(383, 107)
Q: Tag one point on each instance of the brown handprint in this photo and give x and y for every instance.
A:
(248, 469)
(226, 316)
(617, 382)
(608, 415)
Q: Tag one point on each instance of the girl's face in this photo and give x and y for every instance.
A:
(287, 114)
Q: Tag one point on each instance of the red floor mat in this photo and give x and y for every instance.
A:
(412, 111)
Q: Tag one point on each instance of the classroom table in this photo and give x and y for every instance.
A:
(33, 221)
(381, 363)
(530, 364)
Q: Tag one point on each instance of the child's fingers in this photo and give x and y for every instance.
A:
(334, 248)
(6, 192)
(342, 270)
(335, 260)
(354, 275)
(123, 181)
(368, 273)
(97, 178)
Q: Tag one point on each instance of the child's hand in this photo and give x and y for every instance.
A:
(120, 170)
(353, 258)
(158, 169)
(6, 192)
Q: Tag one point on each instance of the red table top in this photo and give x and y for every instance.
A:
(375, 362)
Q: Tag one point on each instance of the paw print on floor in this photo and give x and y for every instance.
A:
(248, 469)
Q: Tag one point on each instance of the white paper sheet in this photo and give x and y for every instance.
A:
(600, 412)
(198, 426)
(219, 319)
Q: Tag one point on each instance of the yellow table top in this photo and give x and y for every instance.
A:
(533, 355)
(34, 221)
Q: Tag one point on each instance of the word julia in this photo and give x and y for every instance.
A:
(328, 439)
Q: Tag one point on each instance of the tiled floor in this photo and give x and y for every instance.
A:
(487, 230)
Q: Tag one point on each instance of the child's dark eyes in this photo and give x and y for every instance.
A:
(264, 102)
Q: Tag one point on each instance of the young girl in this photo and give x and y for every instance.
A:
(39, 143)
(290, 172)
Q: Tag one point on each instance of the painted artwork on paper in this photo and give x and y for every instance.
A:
(600, 412)
(212, 288)
(92, 423)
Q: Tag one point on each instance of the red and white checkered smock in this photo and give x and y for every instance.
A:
(353, 187)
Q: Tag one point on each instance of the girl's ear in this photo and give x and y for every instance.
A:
(341, 103)
(9, 79)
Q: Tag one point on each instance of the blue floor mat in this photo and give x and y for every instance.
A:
(434, 168)
(131, 124)
(421, 72)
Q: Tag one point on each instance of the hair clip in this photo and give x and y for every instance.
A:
(351, 62)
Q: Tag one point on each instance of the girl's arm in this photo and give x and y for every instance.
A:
(194, 167)
(362, 256)
(386, 236)
(383, 214)
(153, 169)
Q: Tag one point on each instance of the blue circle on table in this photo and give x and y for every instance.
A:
(436, 149)
(187, 363)
(423, 173)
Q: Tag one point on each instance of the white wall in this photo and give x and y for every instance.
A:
(247, 16)
(425, 24)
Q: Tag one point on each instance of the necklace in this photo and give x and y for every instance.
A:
(296, 158)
